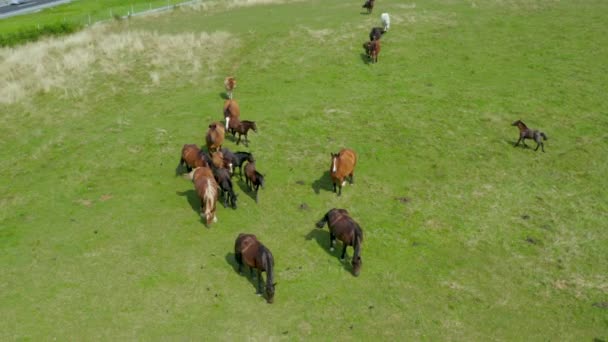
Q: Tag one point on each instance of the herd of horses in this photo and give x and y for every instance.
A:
(212, 170)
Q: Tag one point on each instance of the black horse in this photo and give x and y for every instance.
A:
(376, 33)
(239, 159)
(253, 179)
(343, 227)
(222, 176)
(248, 250)
(527, 133)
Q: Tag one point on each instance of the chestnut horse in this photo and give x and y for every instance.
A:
(229, 85)
(231, 111)
(242, 128)
(200, 172)
(374, 48)
(342, 166)
(527, 133)
(191, 157)
(215, 137)
(206, 188)
(343, 227)
(248, 250)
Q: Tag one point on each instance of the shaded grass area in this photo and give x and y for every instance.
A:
(466, 237)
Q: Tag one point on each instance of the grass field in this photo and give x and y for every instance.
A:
(466, 237)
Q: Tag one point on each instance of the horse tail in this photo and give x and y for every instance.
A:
(210, 193)
(269, 265)
(324, 220)
(544, 136)
(358, 240)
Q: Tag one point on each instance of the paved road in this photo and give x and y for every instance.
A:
(28, 7)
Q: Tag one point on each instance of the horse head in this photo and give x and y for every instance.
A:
(356, 265)
(518, 122)
(270, 293)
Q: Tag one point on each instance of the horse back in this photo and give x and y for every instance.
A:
(348, 160)
(231, 108)
(247, 245)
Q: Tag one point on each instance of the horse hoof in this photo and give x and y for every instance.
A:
(331, 249)
(214, 218)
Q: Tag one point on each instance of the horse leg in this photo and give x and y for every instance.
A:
(343, 252)
(225, 195)
(335, 186)
(352, 177)
(239, 261)
(256, 193)
(332, 241)
(239, 139)
(340, 189)
(517, 143)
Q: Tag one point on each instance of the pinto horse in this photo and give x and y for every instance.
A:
(229, 85)
(248, 250)
(343, 227)
(369, 4)
(215, 137)
(253, 179)
(206, 188)
(527, 133)
(191, 157)
(231, 111)
(342, 166)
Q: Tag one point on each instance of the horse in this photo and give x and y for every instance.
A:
(253, 178)
(206, 188)
(374, 49)
(240, 158)
(231, 111)
(386, 21)
(222, 176)
(343, 165)
(200, 172)
(191, 157)
(527, 133)
(229, 160)
(347, 230)
(369, 4)
(248, 250)
(215, 137)
(229, 85)
(376, 33)
(242, 129)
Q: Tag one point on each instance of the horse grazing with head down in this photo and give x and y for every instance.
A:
(206, 188)
(192, 157)
(369, 5)
(229, 85)
(342, 166)
(231, 111)
(345, 229)
(215, 137)
(253, 179)
(527, 133)
(248, 250)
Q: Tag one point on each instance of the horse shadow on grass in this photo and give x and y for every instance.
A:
(364, 58)
(245, 189)
(223, 95)
(193, 200)
(321, 236)
(249, 274)
(323, 183)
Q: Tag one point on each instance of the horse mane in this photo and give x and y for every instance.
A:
(358, 239)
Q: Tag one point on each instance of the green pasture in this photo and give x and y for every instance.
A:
(466, 236)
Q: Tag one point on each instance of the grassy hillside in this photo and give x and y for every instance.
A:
(466, 237)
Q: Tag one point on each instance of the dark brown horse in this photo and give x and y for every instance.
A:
(342, 166)
(376, 33)
(343, 227)
(191, 157)
(248, 250)
(229, 85)
(369, 5)
(242, 128)
(527, 133)
(253, 179)
(231, 111)
(240, 158)
(206, 188)
(374, 50)
(214, 137)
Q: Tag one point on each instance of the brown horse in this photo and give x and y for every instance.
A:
(527, 133)
(374, 48)
(242, 129)
(215, 137)
(206, 188)
(229, 85)
(343, 227)
(200, 172)
(369, 4)
(248, 250)
(342, 166)
(253, 179)
(191, 157)
(231, 111)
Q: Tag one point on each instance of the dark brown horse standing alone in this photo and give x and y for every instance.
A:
(527, 133)
(248, 250)
(343, 165)
(343, 227)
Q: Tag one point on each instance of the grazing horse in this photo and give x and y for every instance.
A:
(343, 227)
(248, 250)
(527, 133)
(253, 178)
(222, 176)
(369, 4)
(242, 129)
(206, 188)
(215, 137)
(191, 157)
(229, 84)
(240, 158)
(376, 33)
(231, 111)
(343, 165)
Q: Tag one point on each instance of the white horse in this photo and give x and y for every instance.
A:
(386, 21)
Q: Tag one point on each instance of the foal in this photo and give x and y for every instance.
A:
(343, 165)
(527, 133)
(248, 250)
(253, 179)
(242, 129)
(343, 227)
